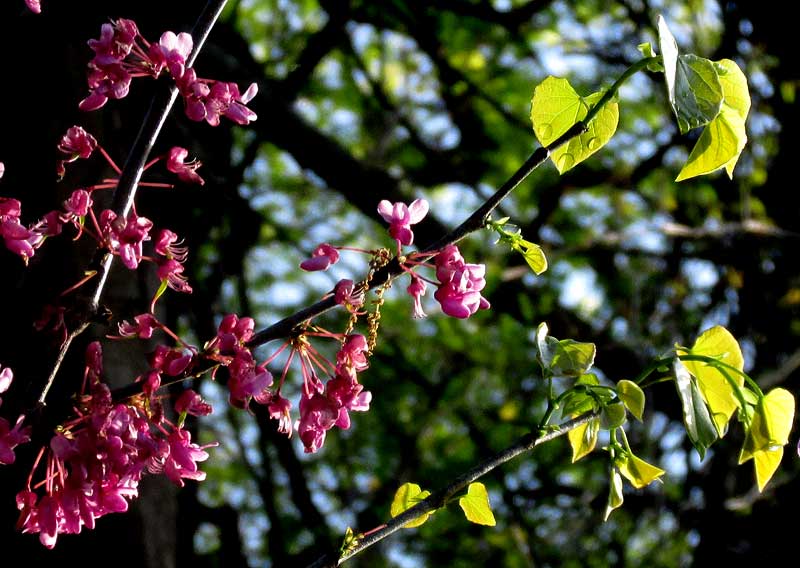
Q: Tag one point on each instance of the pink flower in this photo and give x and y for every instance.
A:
(78, 204)
(353, 355)
(171, 272)
(34, 6)
(279, 409)
(209, 100)
(317, 416)
(2, 169)
(345, 294)
(167, 245)
(416, 290)
(76, 143)
(6, 376)
(125, 237)
(460, 284)
(400, 218)
(192, 403)
(171, 50)
(323, 256)
(186, 171)
(183, 457)
(10, 438)
(173, 362)
(143, 327)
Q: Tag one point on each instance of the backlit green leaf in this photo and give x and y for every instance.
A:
(556, 107)
(615, 497)
(533, 255)
(638, 472)
(612, 416)
(693, 85)
(406, 496)
(717, 342)
(769, 432)
(724, 138)
(699, 426)
(583, 439)
(632, 397)
(475, 505)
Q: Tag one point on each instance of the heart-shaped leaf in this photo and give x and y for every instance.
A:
(556, 107)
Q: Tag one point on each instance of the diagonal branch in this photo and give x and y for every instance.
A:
(439, 498)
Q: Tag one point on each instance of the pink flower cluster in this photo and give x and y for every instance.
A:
(460, 284)
(247, 381)
(10, 437)
(95, 462)
(121, 53)
(327, 406)
(122, 237)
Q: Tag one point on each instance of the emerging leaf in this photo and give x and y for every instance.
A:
(564, 358)
(638, 472)
(614, 493)
(583, 439)
(724, 138)
(699, 426)
(533, 254)
(693, 86)
(768, 433)
(632, 396)
(556, 107)
(612, 416)
(717, 391)
(475, 505)
(408, 495)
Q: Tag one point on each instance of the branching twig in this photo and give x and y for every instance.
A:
(440, 497)
(125, 192)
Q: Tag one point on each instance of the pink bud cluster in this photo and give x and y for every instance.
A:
(95, 462)
(122, 53)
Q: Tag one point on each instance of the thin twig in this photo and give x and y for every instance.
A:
(440, 497)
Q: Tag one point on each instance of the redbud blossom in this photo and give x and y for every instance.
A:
(186, 171)
(416, 290)
(323, 256)
(460, 284)
(125, 237)
(34, 6)
(143, 327)
(401, 216)
(192, 403)
(345, 294)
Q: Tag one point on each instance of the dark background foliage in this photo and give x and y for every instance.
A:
(363, 101)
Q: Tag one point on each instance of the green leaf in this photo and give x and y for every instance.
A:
(638, 472)
(724, 138)
(717, 342)
(632, 396)
(577, 402)
(533, 255)
(556, 107)
(646, 49)
(614, 493)
(566, 357)
(693, 85)
(475, 505)
(583, 439)
(699, 427)
(612, 416)
(768, 433)
(408, 495)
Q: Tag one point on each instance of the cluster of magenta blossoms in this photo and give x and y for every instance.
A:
(123, 237)
(322, 405)
(95, 461)
(458, 283)
(121, 53)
